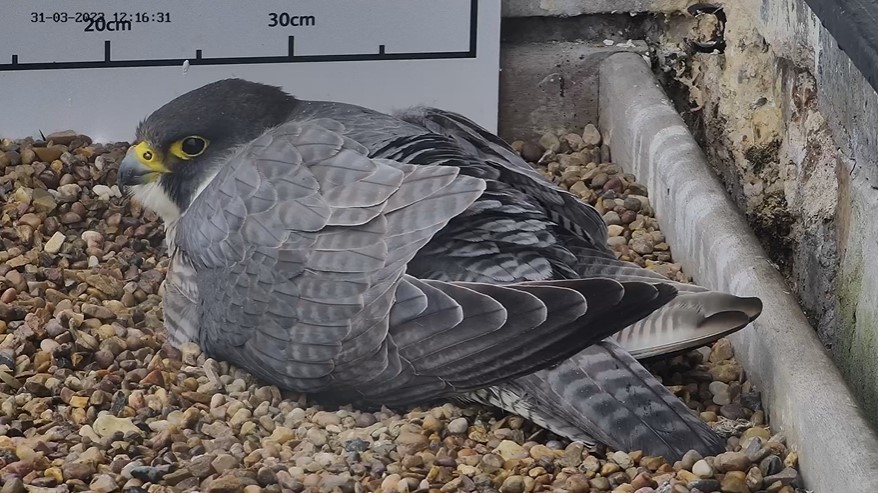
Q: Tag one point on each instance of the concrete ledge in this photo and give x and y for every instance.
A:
(804, 393)
(570, 8)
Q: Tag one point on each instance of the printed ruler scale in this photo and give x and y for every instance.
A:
(62, 56)
(172, 32)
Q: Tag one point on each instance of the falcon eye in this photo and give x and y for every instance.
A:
(193, 145)
(189, 147)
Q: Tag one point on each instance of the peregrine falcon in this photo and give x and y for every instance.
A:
(396, 259)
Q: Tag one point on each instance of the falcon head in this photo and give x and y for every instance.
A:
(180, 147)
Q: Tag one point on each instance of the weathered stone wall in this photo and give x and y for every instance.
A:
(757, 115)
(790, 126)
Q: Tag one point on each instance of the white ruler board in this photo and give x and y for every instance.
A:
(100, 66)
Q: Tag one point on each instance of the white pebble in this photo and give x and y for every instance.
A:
(55, 242)
(102, 191)
(702, 469)
(458, 426)
(718, 387)
(622, 459)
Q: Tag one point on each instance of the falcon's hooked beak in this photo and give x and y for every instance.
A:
(141, 165)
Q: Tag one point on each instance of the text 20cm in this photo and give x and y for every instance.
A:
(101, 25)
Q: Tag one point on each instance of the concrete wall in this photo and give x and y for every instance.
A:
(551, 87)
(789, 125)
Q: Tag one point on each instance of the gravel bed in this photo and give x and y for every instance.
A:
(92, 397)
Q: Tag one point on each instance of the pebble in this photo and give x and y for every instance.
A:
(755, 431)
(513, 484)
(148, 474)
(591, 136)
(13, 485)
(642, 244)
(785, 476)
(43, 201)
(721, 351)
(770, 465)
(228, 484)
(702, 469)
(107, 425)
(734, 482)
(734, 411)
(574, 141)
(754, 479)
(78, 469)
(623, 459)
(458, 426)
(55, 242)
(731, 461)
(720, 391)
(48, 154)
(550, 142)
(509, 450)
(63, 137)
(612, 218)
(689, 459)
(600, 483)
(104, 192)
(103, 483)
(223, 462)
(532, 151)
(705, 485)
(726, 371)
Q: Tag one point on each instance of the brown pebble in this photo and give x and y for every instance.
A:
(531, 151)
(154, 377)
(78, 469)
(731, 461)
(513, 484)
(48, 154)
(70, 218)
(643, 480)
(734, 482)
(614, 184)
(228, 484)
(8, 296)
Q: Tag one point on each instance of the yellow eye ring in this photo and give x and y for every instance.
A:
(189, 147)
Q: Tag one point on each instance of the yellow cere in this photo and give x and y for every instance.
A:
(150, 158)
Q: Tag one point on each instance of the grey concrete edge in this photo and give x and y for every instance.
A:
(804, 392)
(572, 8)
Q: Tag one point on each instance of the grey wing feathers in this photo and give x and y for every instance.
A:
(456, 337)
(691, 320)
(602, 391)
(696, 317)
(603, 394)
(314, 235)
(180, 300)
(300, 245)
(563, 207)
